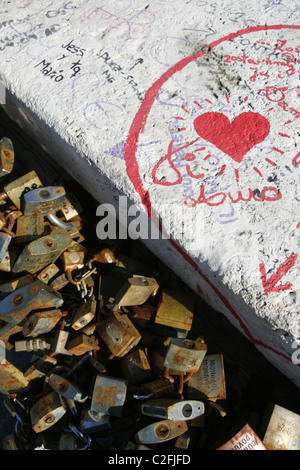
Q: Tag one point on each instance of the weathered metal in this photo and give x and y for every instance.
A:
(209, 381)
(283, 429)
(160, 431)
(175, 309)
(37, 295)
(109, 395)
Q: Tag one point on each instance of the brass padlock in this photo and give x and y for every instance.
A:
(81, 344)
(109, 396)
(175, 309)
(281, 429)
(71, 207)
(135, 366)
(59, 282)
(37, 295)
(160, 431)
(209, 381)
(118, 333)
(47, 411)
(45, 200)
(17, 188)
(135, 291)
(7, 156)
(41, 322)
(41, 252)
(72, 261)
(85, 314)
(29, 227)
(48, 273)
(176, 410)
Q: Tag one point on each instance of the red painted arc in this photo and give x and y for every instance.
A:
(130, 149)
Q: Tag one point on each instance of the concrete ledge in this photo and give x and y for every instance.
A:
(193, 118)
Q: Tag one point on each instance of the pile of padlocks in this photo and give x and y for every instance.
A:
(114, 364)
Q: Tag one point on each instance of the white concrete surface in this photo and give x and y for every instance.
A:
(190, 108)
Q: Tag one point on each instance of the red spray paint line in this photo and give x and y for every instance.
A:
(137, 128)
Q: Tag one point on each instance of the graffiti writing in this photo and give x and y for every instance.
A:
(218, 199)
(113, 67)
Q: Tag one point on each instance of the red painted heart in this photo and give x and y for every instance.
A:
(234, 138)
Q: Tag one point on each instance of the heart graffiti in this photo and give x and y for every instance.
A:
(234, 138)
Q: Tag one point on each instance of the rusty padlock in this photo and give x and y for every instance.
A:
(17, 305)
(136, 290)
(175, 410)
(160, 431)
(47, 411)
(81, 344)
(175, 309)
(209, 380)
(42, 322)
(85, 314)
(109, 394)
(41, 252)
(118, 333)
(184, 355)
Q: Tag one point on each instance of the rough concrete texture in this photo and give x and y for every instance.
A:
(189, 108)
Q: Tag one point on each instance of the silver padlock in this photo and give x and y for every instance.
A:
(176, 410)
(64, 387)
(45, 200)
(109, 395)
(160, 431)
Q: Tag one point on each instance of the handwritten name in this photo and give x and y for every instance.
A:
(269, 194)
